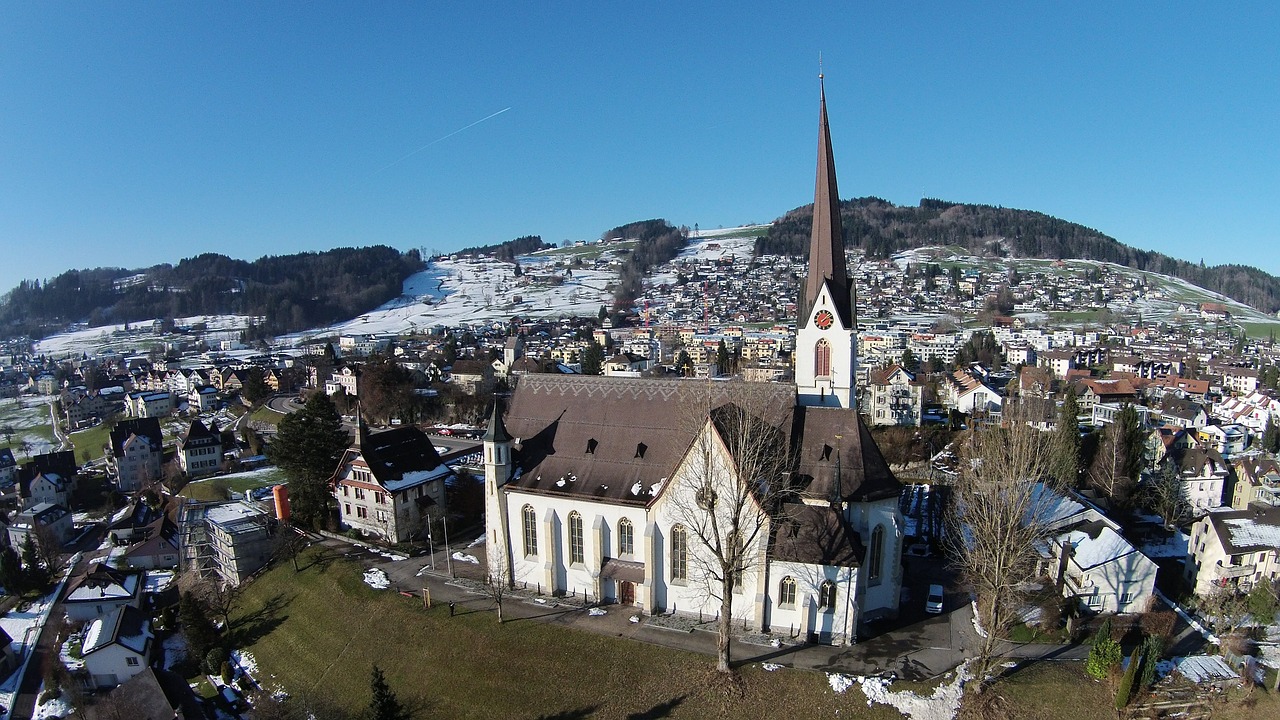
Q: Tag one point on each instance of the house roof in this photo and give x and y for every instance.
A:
(103, 583)
(1095, 543)
(1248, 530)
(125, 625)
(148, 428)
(399, 458)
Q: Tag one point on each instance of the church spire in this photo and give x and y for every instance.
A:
(826, 242)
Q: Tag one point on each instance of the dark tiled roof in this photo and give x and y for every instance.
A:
(604, 436)
(392, 453)
(815, 535)
(828, 434)
(148, 428)
(615, 438)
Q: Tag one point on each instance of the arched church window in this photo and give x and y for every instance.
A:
(626, 538)
(529, 521)
(787, 591)
(822, 359)
(679, 553)
(827, 595)
(576, 554)
(875, 554)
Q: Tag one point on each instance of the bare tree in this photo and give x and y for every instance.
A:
(217, 596)
(498, 586)
(1164, 495)
(996, 522)
(48, 547)
(729, 483)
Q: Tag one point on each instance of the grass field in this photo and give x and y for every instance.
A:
(212, 488)
(266, 415)
(317, 633)
(91, 441)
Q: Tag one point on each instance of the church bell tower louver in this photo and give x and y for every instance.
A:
(826, 333)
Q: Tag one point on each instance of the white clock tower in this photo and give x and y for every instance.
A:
(827, 333)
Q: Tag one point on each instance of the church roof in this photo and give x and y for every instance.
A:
(620, 439)
(838, 457)
(616, 439)
(815, 535)
(826, 239)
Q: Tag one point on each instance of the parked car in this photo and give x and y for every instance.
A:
(933, 602)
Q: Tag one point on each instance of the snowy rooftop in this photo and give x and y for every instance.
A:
(1204, 668)
(234, 517)
(1092, 552)
(1247, 532)
(417, 477)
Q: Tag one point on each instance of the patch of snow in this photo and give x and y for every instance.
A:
(1172, 547)
(58, 707)
(977, 626)
(597, 612)
(463, 557)
(245, 661)
(158, 580)
(477, 541)
(942, 704)
(634, 618)
(175, 650)
(771, 667)
(377, 579)
(839, 683)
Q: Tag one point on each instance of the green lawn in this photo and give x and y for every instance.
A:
(317, 633)
(91, 441)
(213, 488)
(266, 415)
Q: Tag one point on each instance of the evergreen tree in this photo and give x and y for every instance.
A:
(35, 575)
(1271, 436)
(384, 705)
(1065, 445)
(255, 387)
(307, 447)
(11, 576)
(196, 626)
(722, 358)
(593, 359)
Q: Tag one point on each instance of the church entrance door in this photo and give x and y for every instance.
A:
(626, 592)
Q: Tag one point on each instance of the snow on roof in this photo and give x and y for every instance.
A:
(1204, 668)
(88, 591)
(1245, 532)
(93, 635)
(232, 513)
(1053, 508)
(417, 477)
(1092, 552)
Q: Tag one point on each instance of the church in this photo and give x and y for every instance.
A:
(651, 492)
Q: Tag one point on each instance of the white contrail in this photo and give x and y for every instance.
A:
(441, 139)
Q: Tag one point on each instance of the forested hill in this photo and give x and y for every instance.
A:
(881, 229)
(509, 250)
(293, 292)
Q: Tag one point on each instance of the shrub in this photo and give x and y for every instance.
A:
(227, 674)
(214, 659)
(1126, 683)
(1105, 653)
(1152, 649)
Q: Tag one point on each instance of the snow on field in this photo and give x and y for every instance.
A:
(377, 579)
(1172, 547)
(942, 704)
(24, 627)
(137, 336)
(31, 422)
(463, 557)
(732, 243)
(58, 707)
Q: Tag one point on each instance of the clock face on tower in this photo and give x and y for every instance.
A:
(823, 319)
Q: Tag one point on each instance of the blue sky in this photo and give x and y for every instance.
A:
(138, 133)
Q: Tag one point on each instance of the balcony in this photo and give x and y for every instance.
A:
(1228, 572)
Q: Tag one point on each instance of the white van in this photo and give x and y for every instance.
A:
(933, 603)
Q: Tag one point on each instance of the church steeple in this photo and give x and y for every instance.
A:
(826, 241)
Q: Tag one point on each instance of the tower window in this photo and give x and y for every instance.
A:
(822, 359)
